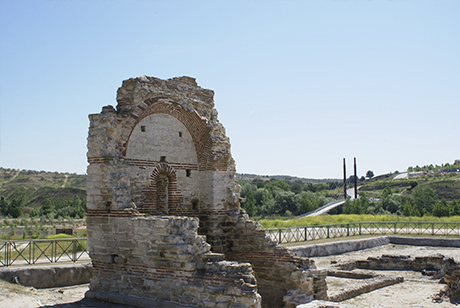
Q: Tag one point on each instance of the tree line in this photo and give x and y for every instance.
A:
(281, 197)
(286, 198)
(434, 168)
(422, 201)
(15, 207)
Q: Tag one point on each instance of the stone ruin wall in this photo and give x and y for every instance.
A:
(162, 157)
(153, 260)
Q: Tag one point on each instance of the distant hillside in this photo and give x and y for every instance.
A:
(40, 185)
(445, 185)
(249, 177)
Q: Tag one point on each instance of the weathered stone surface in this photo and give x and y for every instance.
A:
(160, 172)
(48, 276)
(327, 249)
(370, 285)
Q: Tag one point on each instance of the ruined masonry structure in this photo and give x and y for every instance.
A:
(165, 228)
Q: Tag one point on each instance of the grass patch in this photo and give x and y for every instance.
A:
(280, 222)
(58, 236)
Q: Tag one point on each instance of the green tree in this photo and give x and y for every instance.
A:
(424, 199)
(250, 204)
(259, 183)
(61, 203)
(391, 203)
(286, 201)
(441, 209)
(386, 192)
(268, 207)
(33, 213)
(369, 174)
(310, 201)
(262, 195)
(76, 202)
(407, 209)
(272, 185)
(296, 188)
(347, 207)
(79, 212)
(46, 207)
(360, 205)
(454, 208)
(15, 207)
(4, 206)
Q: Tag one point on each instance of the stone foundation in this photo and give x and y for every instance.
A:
(164, 259)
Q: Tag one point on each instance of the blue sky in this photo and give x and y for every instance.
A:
(299, 85)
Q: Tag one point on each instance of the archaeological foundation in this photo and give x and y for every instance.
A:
(165, 227)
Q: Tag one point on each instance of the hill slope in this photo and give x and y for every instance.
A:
(40, 185)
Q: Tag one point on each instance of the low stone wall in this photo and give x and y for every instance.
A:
(371, 285)
(49, 276)
(339, 247)
(435, 265)
(416, 241)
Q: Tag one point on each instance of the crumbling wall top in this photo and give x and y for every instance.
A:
(183, 90)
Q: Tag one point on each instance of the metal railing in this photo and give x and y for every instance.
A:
(42, 251)
(304, 234)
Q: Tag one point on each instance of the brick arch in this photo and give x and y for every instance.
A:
(153, 193)
(196, 126)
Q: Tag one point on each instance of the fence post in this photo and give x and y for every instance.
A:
(394, 232)
(305, 234)
(327, 231)
(74, 250)
(33, 252)
(432, 228)
(360, 229)
(7, 250)
(348, 229)
(279, 232)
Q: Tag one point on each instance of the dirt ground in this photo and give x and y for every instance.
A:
(415, 291)
(16, 296)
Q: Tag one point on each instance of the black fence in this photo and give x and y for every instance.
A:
(304, 234)
(42, 251)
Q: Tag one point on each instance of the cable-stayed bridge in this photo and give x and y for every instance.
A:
(330, 206)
